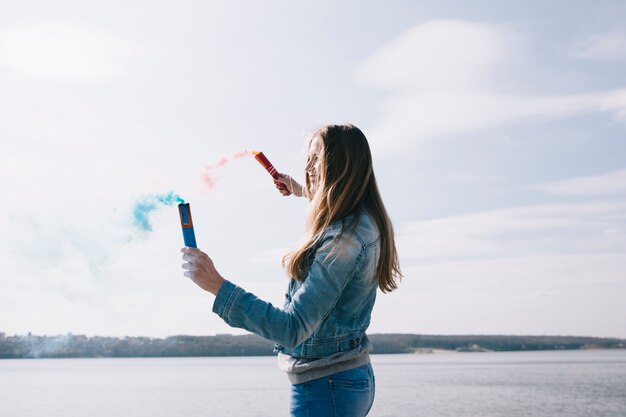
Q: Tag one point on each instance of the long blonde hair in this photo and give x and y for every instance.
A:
(346, 186)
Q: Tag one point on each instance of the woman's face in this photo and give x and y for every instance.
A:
(313, 162)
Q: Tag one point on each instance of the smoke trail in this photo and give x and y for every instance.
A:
(208, 173)
(45, 346)
(150, 203)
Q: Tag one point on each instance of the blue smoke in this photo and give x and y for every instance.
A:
(150, 203)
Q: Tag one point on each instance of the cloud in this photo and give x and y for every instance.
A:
(522, 294)
(65, 52)
(440, 79)
(562, 228)
(437, 55)
(411, 118)
(533, 268)
(613, 183)
(609, 46)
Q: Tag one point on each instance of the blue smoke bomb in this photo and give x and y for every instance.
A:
(187, 225)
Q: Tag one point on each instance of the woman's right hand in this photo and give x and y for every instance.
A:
(287, 185)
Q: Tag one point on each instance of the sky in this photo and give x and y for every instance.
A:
(498, 134)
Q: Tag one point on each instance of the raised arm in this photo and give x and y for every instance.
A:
(309, 306)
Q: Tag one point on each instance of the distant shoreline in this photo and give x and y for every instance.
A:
(80, 346)
(426, 351)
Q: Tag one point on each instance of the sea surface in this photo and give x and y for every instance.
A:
(589, 383)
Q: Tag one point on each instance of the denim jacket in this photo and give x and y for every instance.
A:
(329, 311)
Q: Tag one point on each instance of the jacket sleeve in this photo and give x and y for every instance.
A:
(336, 261)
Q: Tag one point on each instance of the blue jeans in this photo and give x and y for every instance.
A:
(344, 394)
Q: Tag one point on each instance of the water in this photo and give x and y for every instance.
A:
(511, 384)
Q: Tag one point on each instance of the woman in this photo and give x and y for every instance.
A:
(349, 251)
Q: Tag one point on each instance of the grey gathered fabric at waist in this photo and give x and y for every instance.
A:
(304, 370)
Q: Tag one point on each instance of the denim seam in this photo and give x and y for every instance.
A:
(332, 339)
(353, 272)
(370, 372)
(364, 252)
(364, 242)
(231, 301)
(332, 396)
(308, 400)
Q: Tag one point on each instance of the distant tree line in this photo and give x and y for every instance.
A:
(80, 346)
(408, 343)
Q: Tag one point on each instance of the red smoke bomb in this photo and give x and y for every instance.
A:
(269, 167)
(266, 164)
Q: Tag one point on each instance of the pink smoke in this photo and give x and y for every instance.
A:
(241, 154)
(209, 178)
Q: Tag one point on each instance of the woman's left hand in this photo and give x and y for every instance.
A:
(199, 267)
